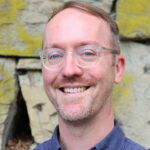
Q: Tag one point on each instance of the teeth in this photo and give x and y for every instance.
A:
(74, 90)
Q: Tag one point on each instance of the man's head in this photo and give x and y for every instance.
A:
(98, 12)
(74, 36)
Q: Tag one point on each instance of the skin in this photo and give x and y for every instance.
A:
(82, 115)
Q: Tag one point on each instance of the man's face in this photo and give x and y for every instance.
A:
(79, 93)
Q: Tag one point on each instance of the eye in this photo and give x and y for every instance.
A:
(54, 55)
(88, 53)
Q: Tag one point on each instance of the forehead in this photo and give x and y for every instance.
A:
(75, 24)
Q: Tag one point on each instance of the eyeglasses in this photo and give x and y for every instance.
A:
(84, 56)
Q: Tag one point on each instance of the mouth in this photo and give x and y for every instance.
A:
(74, 90)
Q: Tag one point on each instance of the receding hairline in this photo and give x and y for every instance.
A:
(100, 13)
(95, 11)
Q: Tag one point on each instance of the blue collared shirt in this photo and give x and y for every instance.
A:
(115, 140)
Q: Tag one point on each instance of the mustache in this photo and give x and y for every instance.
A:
(74, 80)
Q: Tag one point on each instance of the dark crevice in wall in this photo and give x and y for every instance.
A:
(20, 128)
(141, 41)
(113, 8)
(21, 119)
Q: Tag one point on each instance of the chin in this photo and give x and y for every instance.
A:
(74, 116)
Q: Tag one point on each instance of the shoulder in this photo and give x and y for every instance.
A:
(44, 146)
(52, 144)
(131, 145)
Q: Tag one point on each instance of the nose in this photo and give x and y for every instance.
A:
(70, 68)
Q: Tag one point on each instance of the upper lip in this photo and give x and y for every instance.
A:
(73, 85)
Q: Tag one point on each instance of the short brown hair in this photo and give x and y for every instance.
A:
(96, 12)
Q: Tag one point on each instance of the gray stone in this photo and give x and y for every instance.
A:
(42, 115)
(133, 19)
(33, 17)
(107, 5)
(132, 107)
(29, 64)
(33, 146)
(137, 56)
(104, 4)
(8, 95)
(47, 7)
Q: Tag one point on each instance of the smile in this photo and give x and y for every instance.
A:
(74, 90)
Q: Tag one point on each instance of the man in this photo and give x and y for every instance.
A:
(81, 62)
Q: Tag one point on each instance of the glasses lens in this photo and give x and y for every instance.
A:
(53, 58)
(84, 56)
(87, 56)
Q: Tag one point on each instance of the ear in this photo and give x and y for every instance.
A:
(119, 68)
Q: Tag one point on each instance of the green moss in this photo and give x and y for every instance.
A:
(7, 90)
(123, 91)
(133, 18)
(9, 10)
(32, 43)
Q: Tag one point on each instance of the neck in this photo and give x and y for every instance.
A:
(84, 135)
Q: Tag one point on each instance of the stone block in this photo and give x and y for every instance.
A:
(29, 64)
(104, 4)
(133, 18)
(31, 17)
(42, 115)
(131, 96)
(107, 5)
(46, 7)
(17, 36)
(8, 93)
(22, 26)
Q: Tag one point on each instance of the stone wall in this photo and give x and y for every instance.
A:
(22, 24)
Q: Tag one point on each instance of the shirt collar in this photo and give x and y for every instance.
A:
(55, 141)
(113, 141)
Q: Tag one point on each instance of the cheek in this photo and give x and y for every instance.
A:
(48, 77)
(97, 73)
(45, 77)
(103, 73)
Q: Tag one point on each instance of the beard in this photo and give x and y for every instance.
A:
(75, 116)
(85, 112)
(81, 107)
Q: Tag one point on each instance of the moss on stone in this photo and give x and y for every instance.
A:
(7, 91)
(123, 91)
(133, 18)
(9, 10)
(32, 44)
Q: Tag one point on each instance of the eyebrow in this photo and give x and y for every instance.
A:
(56, 45)
(88, 43)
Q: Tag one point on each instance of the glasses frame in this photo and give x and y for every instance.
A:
(98, 49)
